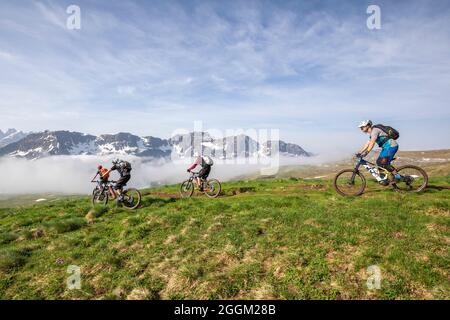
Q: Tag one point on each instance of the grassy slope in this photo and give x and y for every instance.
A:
(282, 239)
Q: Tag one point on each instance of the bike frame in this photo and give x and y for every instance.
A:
(372, 168)
(108, 186)
(193, 176)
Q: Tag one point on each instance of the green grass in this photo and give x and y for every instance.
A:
(263, 239)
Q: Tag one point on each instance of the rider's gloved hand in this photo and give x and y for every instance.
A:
(188, 170)
(361, 155)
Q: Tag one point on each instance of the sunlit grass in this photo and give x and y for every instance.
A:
(262, 239)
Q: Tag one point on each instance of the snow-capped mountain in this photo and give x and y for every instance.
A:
(10, 136)
(285, 149)
(48, 143)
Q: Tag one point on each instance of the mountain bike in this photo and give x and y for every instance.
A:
(351, 182)
(130, 199)
(211, 188)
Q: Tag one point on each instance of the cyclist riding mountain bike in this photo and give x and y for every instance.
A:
(388, 145)
(124, 169)
(205, 162)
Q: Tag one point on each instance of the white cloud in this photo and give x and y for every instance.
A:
(72, 174)
(126, 90)
(6, 55)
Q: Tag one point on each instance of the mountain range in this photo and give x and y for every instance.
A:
(52, 143)
(10, 136)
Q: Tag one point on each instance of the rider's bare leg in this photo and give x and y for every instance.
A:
(119, 193)
(112, 192)
(393, 173)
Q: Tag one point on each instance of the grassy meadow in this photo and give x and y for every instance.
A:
(262, 239)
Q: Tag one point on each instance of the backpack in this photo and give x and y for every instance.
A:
(126, 166)
(208, 160)
(391, 132)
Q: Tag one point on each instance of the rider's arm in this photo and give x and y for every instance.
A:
(370, 146)
(94, 177)
(367, 147)
(109, 171)
(371, 143)
(194, 164)
(364, 148)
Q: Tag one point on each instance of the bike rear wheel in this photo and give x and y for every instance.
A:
(99, 197)
(187, 189)
(414, 179)
(131, 198)
(213, 188)
(349, 183)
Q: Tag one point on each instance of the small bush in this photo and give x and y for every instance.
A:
(67, 225)
(27, 235)
(7, 237)
(24, 223)
(98, 211)
(13, 258)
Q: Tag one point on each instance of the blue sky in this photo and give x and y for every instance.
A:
(311, 69)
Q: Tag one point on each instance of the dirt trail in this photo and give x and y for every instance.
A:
(243, 191)
(162, 195)
(287, 190)
(438, 187)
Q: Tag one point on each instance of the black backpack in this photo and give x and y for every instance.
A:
(126, 165)
(391, 132)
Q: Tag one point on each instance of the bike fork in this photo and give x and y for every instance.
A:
(352, 179)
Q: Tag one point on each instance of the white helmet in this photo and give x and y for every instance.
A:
(196, 154)
(365, 123)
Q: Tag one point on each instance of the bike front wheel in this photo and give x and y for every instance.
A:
(131, 198)
(187, 189)
(413, 179)
(213, 188)
(349, 182)
(99, 197)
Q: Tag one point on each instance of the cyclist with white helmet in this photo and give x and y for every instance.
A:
(389, 147)
(205, 162)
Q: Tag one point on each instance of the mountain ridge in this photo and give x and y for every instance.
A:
(10, 135)
(62, 142)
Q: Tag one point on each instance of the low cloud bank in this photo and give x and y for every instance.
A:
(72, 174)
